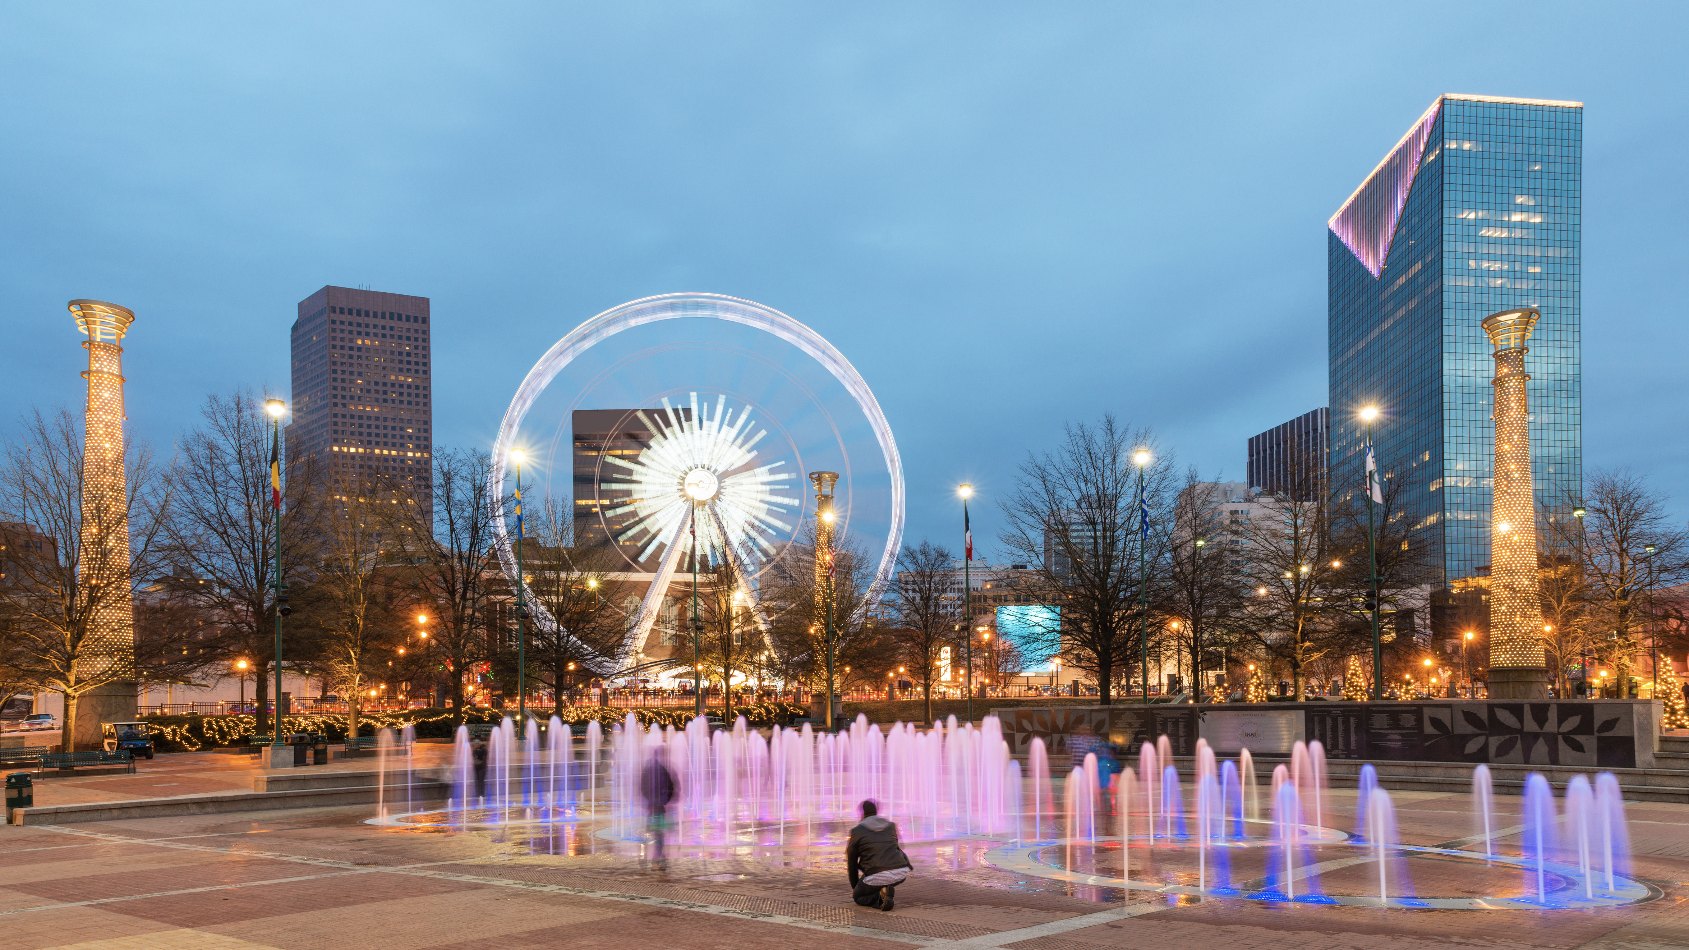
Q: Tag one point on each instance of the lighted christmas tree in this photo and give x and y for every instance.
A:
(1257, 689)
(1354, 681)
(1670, 691)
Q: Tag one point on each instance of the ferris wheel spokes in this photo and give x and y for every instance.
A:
(652, 605)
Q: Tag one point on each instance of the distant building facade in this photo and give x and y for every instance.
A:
(362, 400)
(1478, 209)
(1290, 458)
(599, 435)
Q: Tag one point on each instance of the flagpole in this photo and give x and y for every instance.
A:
(967, 598)
(521, 616)
(1143, 587)
(1369, 414)
(276, 408)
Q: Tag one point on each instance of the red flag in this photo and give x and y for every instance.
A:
(967, 533)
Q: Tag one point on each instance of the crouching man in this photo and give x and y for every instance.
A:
(874, 859)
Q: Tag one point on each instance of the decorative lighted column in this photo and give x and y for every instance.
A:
(826, 574)
(1517, 659)
(104, 570)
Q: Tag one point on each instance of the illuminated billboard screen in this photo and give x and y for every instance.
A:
(1035, 630)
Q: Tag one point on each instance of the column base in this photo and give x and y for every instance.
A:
(278, 757)
(113, 702)
(1526, 684)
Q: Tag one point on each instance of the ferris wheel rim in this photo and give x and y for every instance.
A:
(659, 308)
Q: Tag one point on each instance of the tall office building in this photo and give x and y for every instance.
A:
(363, 406)
(599, 434)
(1478, 209)
(1290, 458)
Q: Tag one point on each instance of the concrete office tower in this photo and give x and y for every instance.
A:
(1290, 458)
(1517, 661)
(104, 568)
(363, 404)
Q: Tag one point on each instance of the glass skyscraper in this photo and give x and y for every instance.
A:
(1477, 209)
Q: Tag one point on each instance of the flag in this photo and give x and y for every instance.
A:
(967, 534)
(518, 513)
(1143, 515)
(275, 475)
(1374, 489)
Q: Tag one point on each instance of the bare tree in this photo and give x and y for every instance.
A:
(221, 529)
(1404, 565)
(1205, 584)
(798, 626)
(927, 616)
(349, 603)
(572, 582)
(451, 550)
(1629, 550)
(1291, 611)
(55, 541)
(1074, 513)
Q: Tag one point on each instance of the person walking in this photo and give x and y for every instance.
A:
(874, 859)
(656, 787)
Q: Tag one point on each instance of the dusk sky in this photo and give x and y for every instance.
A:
(1008, 216)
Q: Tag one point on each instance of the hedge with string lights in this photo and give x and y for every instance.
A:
(193, 733)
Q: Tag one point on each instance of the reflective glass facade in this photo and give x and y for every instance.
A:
(1478, 209)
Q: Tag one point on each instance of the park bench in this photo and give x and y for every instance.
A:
(255, 745)
(29, 755)
(362, 745)
(98, 758)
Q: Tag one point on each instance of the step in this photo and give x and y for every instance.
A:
(216, 804)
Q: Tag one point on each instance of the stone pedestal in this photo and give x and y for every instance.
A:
(1517, 683)
(113, 702)
(278, 757)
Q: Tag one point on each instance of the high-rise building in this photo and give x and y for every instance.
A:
(1290, 458)
(1478, 209)
(598, 435)
(104, 560)
(363, 406)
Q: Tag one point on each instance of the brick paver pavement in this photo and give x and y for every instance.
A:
(322, 878)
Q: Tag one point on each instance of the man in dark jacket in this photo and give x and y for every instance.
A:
(874, 859)
(656, 787)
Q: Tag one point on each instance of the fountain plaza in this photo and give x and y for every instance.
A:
(497, 840)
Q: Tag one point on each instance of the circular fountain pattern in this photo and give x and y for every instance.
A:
(787, 798)
(1044, 860)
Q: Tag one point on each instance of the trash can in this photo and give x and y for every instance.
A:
(301, 747)
(319, 750)
(20, 792)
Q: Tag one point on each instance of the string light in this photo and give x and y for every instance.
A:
(1515, 601)
(105, 493)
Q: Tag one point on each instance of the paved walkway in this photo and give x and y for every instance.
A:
(316, 878)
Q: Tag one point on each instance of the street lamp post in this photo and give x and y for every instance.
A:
(1428, 677)
(518, 456)
(241, 666)
(276, 409)
(1653, 630)
(1369, 415)
(697, 626)
(1466, 660)
(966, 491)
(1141, 458)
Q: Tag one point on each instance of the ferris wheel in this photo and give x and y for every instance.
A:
(692, 420)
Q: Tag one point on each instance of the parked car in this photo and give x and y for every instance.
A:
(41, 722)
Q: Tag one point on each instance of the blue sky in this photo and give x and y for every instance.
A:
(1007, 215)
